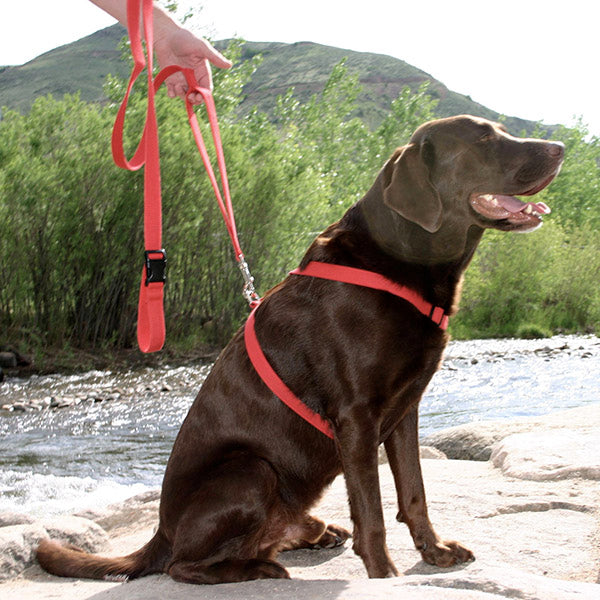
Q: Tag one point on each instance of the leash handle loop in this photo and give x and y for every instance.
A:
(151, 320)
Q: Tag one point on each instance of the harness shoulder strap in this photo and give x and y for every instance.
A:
(376, 281)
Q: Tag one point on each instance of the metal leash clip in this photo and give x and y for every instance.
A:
(248, 291)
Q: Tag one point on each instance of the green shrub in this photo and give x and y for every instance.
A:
(546, 280)
(71, 222)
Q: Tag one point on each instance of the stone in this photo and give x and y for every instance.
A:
(431, 452)
(140, 510)
(473, 583)
(80, 532)
(10, 518)
(474, 441)
(8, 360)
(17, 543)
(542, 455)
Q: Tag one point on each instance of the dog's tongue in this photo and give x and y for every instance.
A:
(514, 205)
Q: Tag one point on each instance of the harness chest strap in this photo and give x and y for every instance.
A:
(344, 274)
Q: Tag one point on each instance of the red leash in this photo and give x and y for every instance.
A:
(151, 320)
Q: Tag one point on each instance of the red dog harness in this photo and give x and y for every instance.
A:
(344, 274)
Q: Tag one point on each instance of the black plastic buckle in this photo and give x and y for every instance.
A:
(156, 266)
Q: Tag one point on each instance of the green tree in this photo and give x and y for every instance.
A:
(71, 222)
(575, 195)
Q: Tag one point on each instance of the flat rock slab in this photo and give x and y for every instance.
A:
(533, 540)
(476, 584)
(558, 454)
(475, 441)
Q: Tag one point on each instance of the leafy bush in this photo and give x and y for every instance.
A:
(71, 222)
(546, 280)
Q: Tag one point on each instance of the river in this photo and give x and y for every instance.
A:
(94, 453)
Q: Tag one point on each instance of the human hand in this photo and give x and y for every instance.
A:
(181, 47)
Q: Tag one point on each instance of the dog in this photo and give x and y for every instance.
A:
(245, 469)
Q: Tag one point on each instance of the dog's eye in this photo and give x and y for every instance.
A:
(487, 137)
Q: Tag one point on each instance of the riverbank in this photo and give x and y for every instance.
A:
(95, 437)
(535, 532)
(67, 360)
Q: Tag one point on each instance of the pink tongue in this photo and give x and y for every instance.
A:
(514, 205)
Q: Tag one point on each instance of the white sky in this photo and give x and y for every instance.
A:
(535, 59)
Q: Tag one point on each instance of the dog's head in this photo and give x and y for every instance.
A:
(464, 171)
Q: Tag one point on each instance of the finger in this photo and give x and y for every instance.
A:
(176, 86)
(195, 98)
(203, 75)
(215, 57)
(220, 61)
(178, 90)
(181, 92)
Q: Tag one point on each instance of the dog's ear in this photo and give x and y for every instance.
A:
(408, 189)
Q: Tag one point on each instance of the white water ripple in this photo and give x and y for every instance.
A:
(93, 454)
(43, 495)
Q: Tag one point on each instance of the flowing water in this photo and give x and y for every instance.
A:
(98, 452)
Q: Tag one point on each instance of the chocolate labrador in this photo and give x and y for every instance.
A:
(245, 469)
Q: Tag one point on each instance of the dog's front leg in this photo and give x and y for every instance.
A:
(357, 441)
(402, 448)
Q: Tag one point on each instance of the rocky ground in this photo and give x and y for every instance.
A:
(529, 513)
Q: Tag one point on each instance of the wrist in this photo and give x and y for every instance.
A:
(164, 25)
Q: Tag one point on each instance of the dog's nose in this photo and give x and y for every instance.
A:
(556, 149)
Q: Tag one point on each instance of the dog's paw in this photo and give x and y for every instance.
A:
(333, 537)
(265, 569)
(445, 553)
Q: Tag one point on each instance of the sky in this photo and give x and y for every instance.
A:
(534, 59)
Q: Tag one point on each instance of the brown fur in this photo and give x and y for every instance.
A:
(245, 470)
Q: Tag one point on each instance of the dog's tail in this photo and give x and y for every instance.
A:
(69, 561)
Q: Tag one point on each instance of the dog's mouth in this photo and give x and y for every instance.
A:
(496, 207)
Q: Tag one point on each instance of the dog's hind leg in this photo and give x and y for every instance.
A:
(315, 534)
(219, 535)
(226, 571)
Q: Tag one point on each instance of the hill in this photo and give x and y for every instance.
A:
(81, 65)
(305, 66)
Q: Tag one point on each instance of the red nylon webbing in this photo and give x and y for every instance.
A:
(376, 281)
(275, 384)
(151, 322)
(344, 274)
